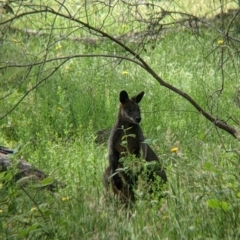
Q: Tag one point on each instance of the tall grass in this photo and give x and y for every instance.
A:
(56, 125)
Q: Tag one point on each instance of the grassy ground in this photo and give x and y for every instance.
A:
(56, 125)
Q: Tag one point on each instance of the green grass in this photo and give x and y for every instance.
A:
(56, 125)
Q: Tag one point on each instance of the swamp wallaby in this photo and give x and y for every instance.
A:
(127, 129)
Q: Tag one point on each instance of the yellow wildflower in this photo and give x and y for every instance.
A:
(124, 26)
(220, 42)
(64, 199)
(124, 72)
(58, 47)
(33, 209)
(17, 41)
(174, 149)
(1, 210)
(59, 109)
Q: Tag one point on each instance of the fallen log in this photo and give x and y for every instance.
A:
(25, 174)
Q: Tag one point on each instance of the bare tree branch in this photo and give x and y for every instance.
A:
(136, 58)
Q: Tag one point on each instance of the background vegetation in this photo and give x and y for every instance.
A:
(60, 83)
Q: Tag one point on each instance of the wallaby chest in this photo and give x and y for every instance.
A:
(127, 140)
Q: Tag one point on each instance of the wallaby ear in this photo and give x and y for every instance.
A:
(123, 97)
(138, 97)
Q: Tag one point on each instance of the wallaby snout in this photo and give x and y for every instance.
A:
(138, 119)
(130, 113)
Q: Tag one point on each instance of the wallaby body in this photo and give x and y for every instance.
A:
(127, 129)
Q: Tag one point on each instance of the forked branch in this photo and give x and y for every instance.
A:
(136, 58)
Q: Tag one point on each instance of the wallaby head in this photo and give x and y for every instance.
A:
(129, 109)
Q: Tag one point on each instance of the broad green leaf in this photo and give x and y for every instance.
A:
(6, 176)
(124, 143)
(216, 204)
(47, 181)
(224, 205)
(131, 135)
(213, 203)
(26, 180)
(207, 165)
(150, 163)
(147, 141)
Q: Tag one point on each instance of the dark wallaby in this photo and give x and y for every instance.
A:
(127, 128)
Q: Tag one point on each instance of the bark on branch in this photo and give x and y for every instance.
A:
(138, 60)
